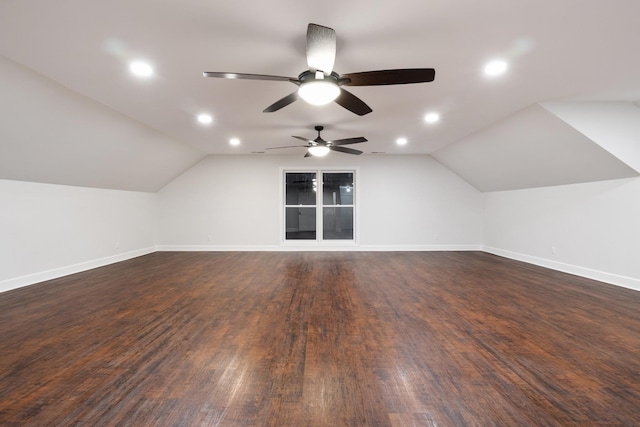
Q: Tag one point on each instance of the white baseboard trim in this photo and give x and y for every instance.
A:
(215, 248)
(602, 276)
(420, 248)
(30, 279)
(316, 248)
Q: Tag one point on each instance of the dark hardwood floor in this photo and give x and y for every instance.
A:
(320, 339)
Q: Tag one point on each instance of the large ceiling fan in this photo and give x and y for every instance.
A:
(319, 147)
(320, 85)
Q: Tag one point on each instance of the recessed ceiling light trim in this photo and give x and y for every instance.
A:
(432, 117)
(141, 69)
(205, 118)
(495, 68)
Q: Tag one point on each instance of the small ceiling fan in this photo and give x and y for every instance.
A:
(319, 147)
(320, 85)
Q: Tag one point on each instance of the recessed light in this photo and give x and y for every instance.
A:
(495, 68)
(141, 69)
(401, 141)
(431, 118)
(204, 118)
(234, 141)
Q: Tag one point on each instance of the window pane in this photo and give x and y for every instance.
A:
(300, 223)
(337, 188)
(337, 223)
(300, 188)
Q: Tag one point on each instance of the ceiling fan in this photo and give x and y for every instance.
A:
(320, 85)
(319, 147)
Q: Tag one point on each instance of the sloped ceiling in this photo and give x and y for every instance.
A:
(51, 134)
(615, 126)
(73, 114)
(531, 148)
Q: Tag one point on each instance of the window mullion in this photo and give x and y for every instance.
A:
(319, 192)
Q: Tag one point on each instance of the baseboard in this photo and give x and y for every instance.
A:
(420, 248)
(18, 282)
(215, 248)
(602, 276)
(322, 248)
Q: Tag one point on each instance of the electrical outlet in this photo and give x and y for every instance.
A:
(553, 250)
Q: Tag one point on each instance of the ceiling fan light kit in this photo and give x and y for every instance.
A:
(317, 89)
(319, 150)
(320, 85)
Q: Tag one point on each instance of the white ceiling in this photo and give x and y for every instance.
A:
(615, 126)
(569, 51)
(50, 134)
(531, 148)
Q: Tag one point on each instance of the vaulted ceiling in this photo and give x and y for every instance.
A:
(565, 111)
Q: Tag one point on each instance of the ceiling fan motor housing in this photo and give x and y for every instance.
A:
(309, 76)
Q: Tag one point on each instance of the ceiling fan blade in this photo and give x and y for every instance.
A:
(321, 48)
(303, 139)
(281, 103)
(352, 103)
(345, 150)
(347, 141)
(389, 77)
(287, 146)
(245, 76)
(308, 154)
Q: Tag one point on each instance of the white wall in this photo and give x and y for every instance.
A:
(48, 231)
(404, 202)
(590, 229)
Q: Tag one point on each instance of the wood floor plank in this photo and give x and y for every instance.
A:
(320, 339)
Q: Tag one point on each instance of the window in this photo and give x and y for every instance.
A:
(300, 205)
(319, 206)
(337, 205)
